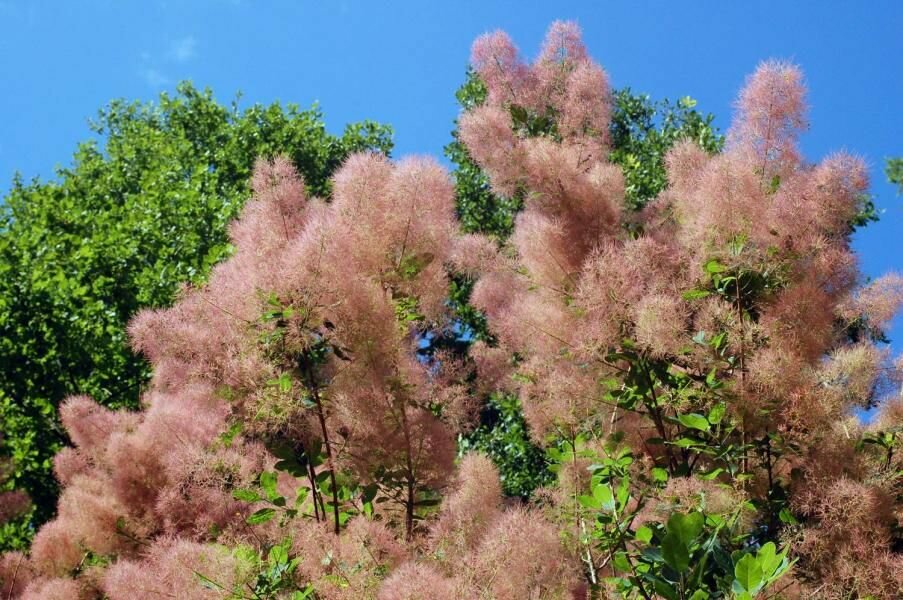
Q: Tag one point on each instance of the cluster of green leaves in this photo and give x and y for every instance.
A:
(688, 558)
(353, 499)
(688, 412)
(142, 208)
(274, 576)
(692, 556)
(502, 435)
(894, 171)
(689, 409)
(313, 499)
(886, 441)
(642, 131)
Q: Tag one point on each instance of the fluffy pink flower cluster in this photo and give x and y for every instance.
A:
(573, 286)
(150, 488)
(477, 549)
(12, 503)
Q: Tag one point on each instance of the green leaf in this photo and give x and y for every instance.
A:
(686, 527)
(589, 502)
(711, 379)
(429, 502)
(718, 341)
(229, 435)
(748, 574)
(695, 294)
(659, 474)
(708, 476)
(643, 534)
(305, 593)
(278, 555)
(700, 595)
(292, 467)
(621, 563)
(623, 493)
(246, 495)
(716, 413)
(694, 421)
(268, 484)
(769, 560)
(687, 442)
(675, 552)
(774, 184)
(519, 115)
(682, 533)
(368, 493)
(665, 589)
(787, 517)
(261, 516)
(283, 382)
(602, 494)
(713, 266)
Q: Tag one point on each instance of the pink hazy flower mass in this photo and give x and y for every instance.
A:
(307, 338)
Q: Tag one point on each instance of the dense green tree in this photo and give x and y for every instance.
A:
(641, 132)
(894, 170)
(142, 208)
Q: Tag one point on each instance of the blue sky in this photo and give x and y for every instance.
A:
(400, 62)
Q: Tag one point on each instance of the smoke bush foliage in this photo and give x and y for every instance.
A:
(133, 216)
(705, 359)
(691, 369)
(642, 132)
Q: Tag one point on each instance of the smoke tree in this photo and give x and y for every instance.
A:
(692, 370)
(703, 355)
(641, 131)
(303, 341)
(141, 208)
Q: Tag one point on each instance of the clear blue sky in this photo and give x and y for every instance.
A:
(400, 63)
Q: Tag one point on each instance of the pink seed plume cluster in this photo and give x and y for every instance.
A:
(153, 489)
(304, 339)
(574, 284)
(12, 503)
(478, 549)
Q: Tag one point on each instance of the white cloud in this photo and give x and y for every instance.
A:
(155, 66)
(183, 50)
(155, 78)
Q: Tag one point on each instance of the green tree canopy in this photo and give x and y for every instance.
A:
(894, 170)
(140, 210)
